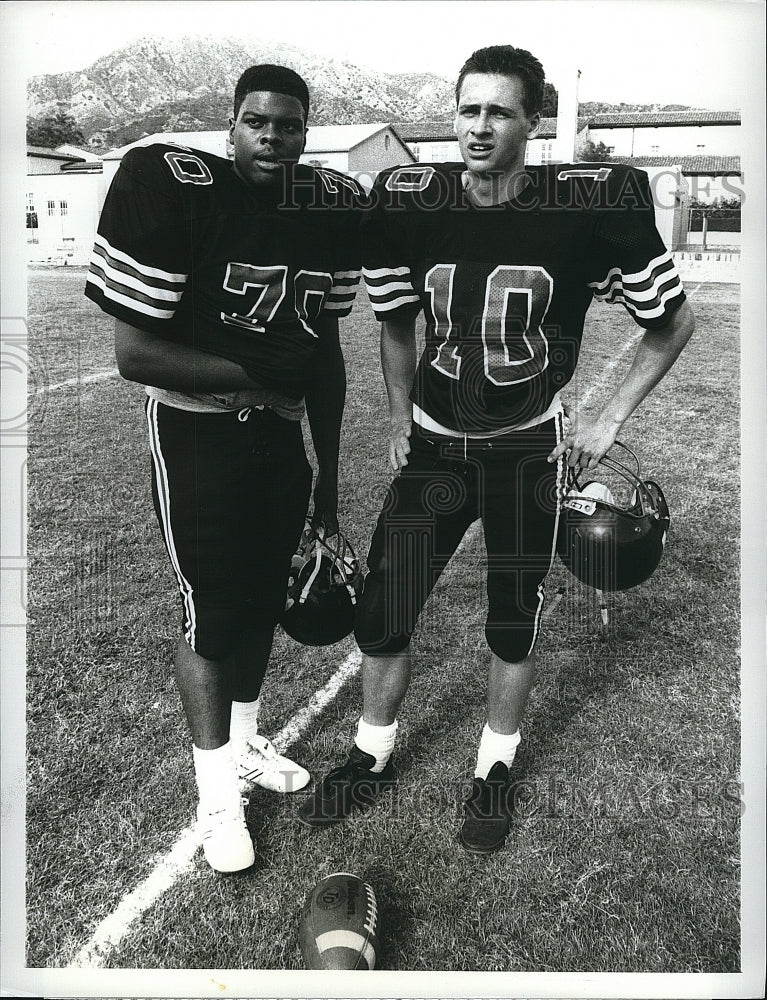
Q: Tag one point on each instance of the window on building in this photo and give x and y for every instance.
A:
(387, 141)
(700, 147)
(51, 207)
(63, 208)
(547, 150)
(438, 152)
(31, 214)
(654, 150)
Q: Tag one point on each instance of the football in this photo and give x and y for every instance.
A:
(339, 924)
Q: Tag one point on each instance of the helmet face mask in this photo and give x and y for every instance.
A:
(608, 546)
(324, 586)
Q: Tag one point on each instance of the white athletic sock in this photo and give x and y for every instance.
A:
(216, 777)
(244, 724)
(378, 741)
(493, 747)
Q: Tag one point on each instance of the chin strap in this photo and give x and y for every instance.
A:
(338, 550)
(313, 575)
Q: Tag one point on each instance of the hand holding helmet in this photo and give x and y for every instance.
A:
(586, 440)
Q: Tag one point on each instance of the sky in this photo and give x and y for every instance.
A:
(694, 52)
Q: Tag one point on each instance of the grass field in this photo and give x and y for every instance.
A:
(624, 855)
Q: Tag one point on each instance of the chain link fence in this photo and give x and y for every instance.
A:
(713, 227)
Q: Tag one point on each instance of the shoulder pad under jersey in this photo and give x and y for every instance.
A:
(600, 186)
(333, 189)
(419, 185)
(171, 163)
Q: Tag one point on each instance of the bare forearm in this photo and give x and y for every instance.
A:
(398, 362)
(325, 399)
(150, 360)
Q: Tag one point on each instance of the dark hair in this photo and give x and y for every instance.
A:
(508, 61)
(277, 79)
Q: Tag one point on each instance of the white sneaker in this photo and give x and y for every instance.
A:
(260, 764)
(226, 843)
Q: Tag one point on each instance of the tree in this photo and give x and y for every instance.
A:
(595, 152)
(54, 130)
(550, 98)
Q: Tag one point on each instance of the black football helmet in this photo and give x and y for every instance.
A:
(323, 588)
(607, 546)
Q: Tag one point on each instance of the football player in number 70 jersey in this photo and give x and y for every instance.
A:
(227, 279)
(503, 261)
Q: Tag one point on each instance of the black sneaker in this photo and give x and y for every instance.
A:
(487, 812)
(351, 786)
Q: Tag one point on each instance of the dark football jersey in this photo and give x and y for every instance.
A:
(505, 289)
(188, 250)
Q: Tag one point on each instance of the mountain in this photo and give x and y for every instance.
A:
(157, 84)
(161, 85)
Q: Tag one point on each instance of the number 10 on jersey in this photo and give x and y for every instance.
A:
(516, 300)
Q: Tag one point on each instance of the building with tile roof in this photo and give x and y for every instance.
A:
(359, 150)
(41, 160)
(667, 119)
(668, 133)
(709, 178)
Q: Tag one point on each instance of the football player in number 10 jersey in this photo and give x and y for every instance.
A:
(503, 261)
(227, 279)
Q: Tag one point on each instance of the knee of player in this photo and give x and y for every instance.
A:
(215, 646)
(376, 631)
(380, 642)
(511, 643)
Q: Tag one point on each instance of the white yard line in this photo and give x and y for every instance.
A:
(163, 876)
(179, 859)
(292, 731)
(80, 380)
(601, 384)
